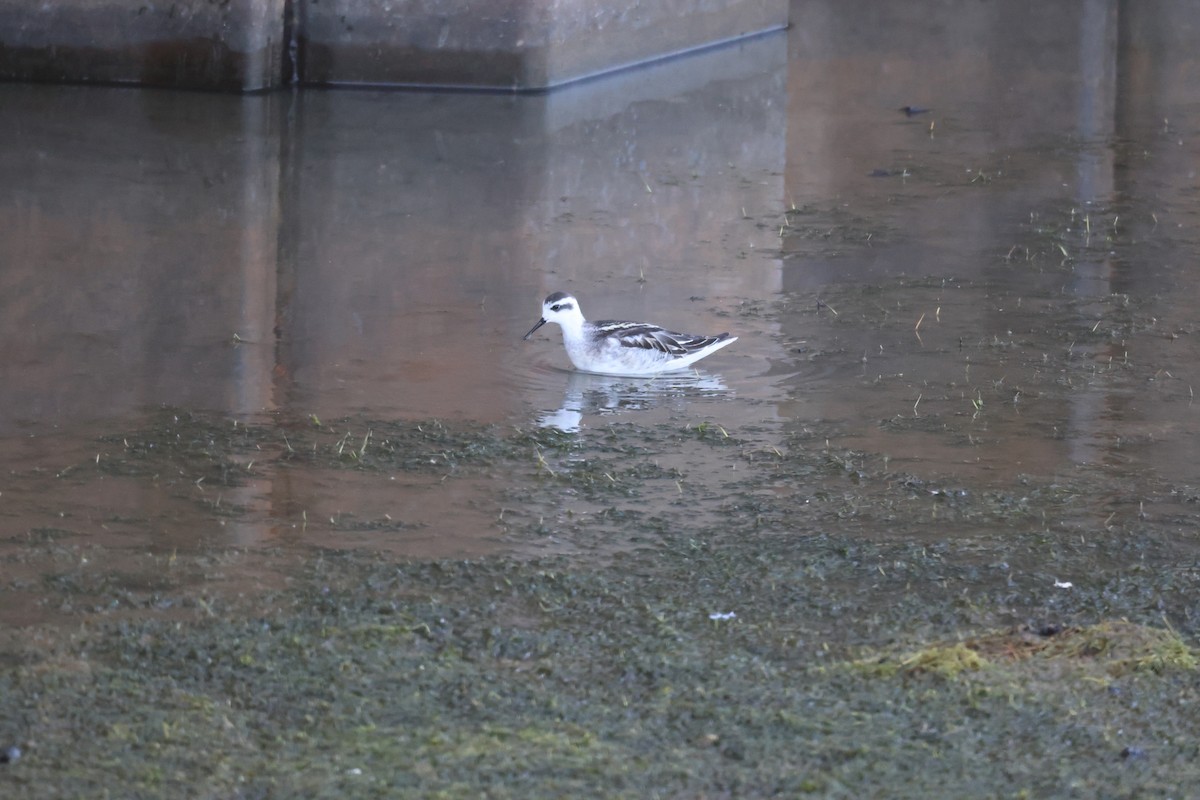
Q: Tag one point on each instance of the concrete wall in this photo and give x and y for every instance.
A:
(235, 45)
(249, 45)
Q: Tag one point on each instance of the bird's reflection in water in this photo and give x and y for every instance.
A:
(598, 395)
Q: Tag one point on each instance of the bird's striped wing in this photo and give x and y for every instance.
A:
(652, 337)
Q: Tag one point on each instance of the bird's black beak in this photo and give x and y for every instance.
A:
(540, 323)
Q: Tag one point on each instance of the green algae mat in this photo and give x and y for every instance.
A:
(764, 650)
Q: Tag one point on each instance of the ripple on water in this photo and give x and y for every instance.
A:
(567, 397)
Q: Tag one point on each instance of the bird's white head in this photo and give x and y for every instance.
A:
(563, 309)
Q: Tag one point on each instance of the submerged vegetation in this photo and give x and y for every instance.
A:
(767, 647)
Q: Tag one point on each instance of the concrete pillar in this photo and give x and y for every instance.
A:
(510, 44)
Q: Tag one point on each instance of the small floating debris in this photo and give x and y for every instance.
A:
(913, 111)
(721, 616)
(10, 755)
(1062, 584)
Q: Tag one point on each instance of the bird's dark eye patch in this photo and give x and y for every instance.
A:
(555, 307)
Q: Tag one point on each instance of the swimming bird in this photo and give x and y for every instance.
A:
(613, 347)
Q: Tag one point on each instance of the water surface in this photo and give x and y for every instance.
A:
(995, 291)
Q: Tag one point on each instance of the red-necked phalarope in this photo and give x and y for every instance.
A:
(611, 347)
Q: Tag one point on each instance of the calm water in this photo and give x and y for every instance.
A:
(1007, 280)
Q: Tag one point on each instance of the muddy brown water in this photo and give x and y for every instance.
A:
(996, 290)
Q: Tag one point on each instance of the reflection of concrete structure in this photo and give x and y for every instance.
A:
(373, 252)
(419, 222)
(1046, 118)
(331, 251)
(134, 228)
(248, 45)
